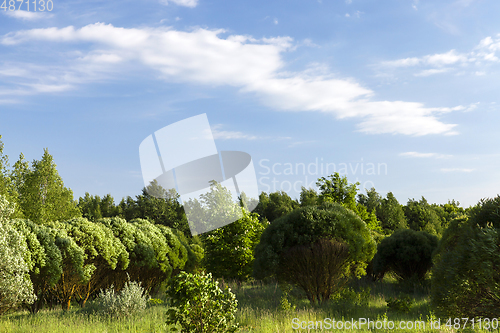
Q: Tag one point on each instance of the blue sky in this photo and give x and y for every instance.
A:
(401, 95)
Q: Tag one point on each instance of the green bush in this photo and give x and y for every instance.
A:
(130, 300)
(406, 253)
(466, 273)
(15, 284)
(198, 305)
(293, 237)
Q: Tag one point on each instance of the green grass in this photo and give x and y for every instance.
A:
(259, 310)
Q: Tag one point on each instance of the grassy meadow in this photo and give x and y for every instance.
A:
(261, 308)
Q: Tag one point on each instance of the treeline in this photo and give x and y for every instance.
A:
(382, 214)
(71, 249)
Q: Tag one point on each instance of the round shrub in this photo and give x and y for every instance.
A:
(313, 231)
(466, 272)
(406, 253)
(198, 305)
(132, 299)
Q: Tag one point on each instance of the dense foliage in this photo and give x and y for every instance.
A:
(42, 194)
(229, 250)
(406, 253)
(50, 254)
(274, 205)
(15, 285)
(75, 259)
(421, 216)
(198, 305)
(305, 227)
(466, 274)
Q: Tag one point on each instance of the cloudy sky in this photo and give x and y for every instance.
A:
(400, 95)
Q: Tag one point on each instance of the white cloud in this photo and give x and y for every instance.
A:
(456, 170)
(230, 135)
(8, 101)
(438, 60)
(301, 143)
(486, 52)
(203, 56)
(442, 59)
(432, 71)
(185, 3)
(50, 88)
(424, 155)
(27, 16)
(407, 62)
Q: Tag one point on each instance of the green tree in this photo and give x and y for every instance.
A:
(422, 217)
(391, 214)
(15, 285)
(43, 257)
(161, 268)
(155, 251)
(154, 204)
(337, 189)
(90, 207)
(448, 211)
(308, 197)
(275, 205)
(74, 270)
(372, 200)
(42, 195)
(465, 276)
(305, 227)
(6, 185)
(165, 209)
(406, 253)
(102, 253)
(229, 250)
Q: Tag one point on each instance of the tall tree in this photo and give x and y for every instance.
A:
(275, 205)
(42, 195)
(371, 200)
(422, 217)
(4, 179)
(337, 189)
(7, 186)
(391, 214)
(308, 197)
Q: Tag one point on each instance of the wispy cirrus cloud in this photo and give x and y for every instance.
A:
(26, 15)
(185, 3)
(220, 134)
(456, 170)
(484, 54)
(424, 155)
(202, 56)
